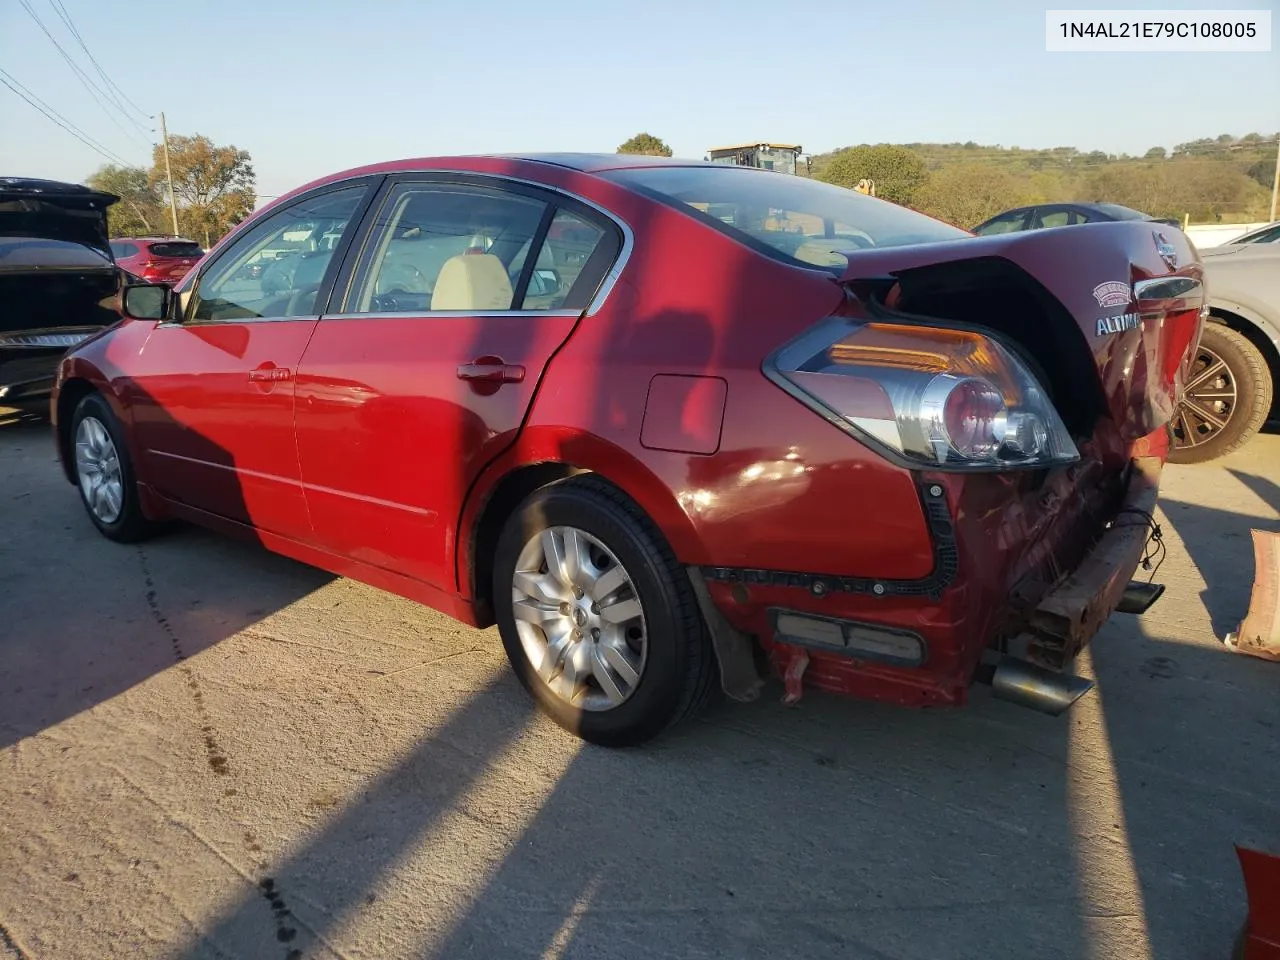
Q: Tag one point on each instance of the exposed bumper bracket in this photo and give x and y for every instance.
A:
(1070, 614)
(1138, 597)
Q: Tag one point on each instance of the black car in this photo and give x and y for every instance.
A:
(56, 271)
(1043, 215)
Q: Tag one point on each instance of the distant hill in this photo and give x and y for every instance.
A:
(1223, 179)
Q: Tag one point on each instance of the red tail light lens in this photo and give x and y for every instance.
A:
(948, 399)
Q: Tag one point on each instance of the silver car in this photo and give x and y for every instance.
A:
(1231, 391)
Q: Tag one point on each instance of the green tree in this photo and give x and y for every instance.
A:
(214, 186)
(646, 144)
(898, 172)
(1156, 153)
(965, 195)
(139, 211)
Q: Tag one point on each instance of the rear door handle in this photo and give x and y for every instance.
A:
(491, 370)
(269, 372)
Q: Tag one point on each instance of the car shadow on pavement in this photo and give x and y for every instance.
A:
(1221, 547)
(72, 638)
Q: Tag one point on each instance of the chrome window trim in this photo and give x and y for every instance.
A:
(429, 314)
(164, 324)
(610, 279)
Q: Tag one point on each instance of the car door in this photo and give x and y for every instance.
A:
(213, 393)
(426, 371)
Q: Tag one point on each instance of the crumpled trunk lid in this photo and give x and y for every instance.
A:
(1115, 304)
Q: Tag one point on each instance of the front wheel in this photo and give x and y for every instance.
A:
(598, 620)
(1226, 399)
(104, 472)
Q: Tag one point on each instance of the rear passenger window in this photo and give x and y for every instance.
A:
(1058, 218)
(558, 273)
(437, 246)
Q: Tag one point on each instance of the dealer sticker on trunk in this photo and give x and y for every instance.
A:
(1113, 293)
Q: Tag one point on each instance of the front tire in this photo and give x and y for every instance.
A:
(1228, 396)
(104, 472)
(598, 619)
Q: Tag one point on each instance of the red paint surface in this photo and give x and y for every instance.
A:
(374, 459)
(1262, 886)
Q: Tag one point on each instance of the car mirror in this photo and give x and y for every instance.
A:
(146, 301)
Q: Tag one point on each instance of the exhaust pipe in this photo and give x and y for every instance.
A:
(1031, 686)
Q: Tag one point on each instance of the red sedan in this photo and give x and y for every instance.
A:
(667, 424)
(158, 259)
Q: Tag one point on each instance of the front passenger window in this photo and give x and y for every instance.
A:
(277, 268)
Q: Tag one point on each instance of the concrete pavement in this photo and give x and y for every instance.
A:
(210, 751)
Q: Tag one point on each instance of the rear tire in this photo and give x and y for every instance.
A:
(565, 645)
(1238, 395)
(104, 473)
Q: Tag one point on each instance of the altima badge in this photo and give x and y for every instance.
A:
(1166, 250)
(1110, 325)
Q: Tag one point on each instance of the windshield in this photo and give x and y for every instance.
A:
(790, 217)
(1269, 235)
(176, 250)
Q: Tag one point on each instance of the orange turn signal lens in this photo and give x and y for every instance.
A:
(926, 350)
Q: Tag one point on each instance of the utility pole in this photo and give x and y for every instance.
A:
(168, 172)
(1275, 182)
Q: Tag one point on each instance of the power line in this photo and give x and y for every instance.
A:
(9, 81)
(110, 84)
(88, 84)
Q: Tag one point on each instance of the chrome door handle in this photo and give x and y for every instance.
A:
(491, 370)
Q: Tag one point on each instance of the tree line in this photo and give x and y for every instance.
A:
(1211, 180)
(214, 188)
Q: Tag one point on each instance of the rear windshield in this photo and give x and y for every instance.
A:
(187, 249)
(787, 216)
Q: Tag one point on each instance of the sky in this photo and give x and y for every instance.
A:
(311, 87)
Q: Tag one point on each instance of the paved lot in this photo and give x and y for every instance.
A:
(209, 751)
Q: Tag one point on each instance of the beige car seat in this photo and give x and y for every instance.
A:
(472, 281)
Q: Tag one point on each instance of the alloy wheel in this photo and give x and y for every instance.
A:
(579, 618)
(98, 470)
(1207, 402)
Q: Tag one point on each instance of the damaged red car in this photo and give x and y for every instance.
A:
(667, 424)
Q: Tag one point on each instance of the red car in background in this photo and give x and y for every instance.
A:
(156, 259)
(602, 402)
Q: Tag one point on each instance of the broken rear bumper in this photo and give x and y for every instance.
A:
(1030, 577)
(1068, 616)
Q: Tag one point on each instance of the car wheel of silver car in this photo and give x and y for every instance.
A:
(104, 473)
(1226, 398)
(598, 619)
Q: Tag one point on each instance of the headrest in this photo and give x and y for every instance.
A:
(472, 281)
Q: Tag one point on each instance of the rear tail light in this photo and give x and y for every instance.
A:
(935, 397)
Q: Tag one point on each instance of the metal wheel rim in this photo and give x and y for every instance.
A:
(1208, 401)
(579, 619)
(98, 470)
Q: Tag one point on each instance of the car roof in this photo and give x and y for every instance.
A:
(160, 239)
(596, 162)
